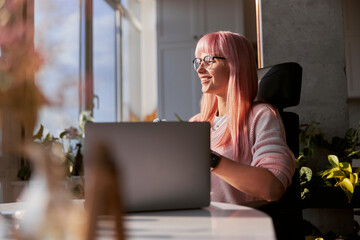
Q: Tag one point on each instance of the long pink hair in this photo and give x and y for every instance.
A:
(242, 86)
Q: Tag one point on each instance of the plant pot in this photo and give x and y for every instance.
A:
(328, 209)
(337, 220)
(331, 197)
(75, 186)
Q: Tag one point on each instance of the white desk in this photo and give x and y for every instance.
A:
(218, 221)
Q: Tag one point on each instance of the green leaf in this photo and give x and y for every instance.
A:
(39, 133)
(353, 153)
(351, 137)
(305, 193)
(354, 179)
(346, 167)
(328, 171)
(299, 158)
(62, 134)
(178, 118)
(334, 161)
(85, 116)
(346, 184)
(336, 174)
(306, 173)
(328, 183)
(347, 187)
(48, 137)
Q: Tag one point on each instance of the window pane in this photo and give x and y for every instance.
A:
(104, 62)
(57, 34)
(133, 6)
(131, 66)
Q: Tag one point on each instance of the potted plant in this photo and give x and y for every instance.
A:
(71, 142)
(317, 178)
(329, 184)
(343, 174)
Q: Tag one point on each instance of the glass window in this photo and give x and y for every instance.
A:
(133, 6)
(57, 34)
(116, 68)
(131, 66)
(104, 62)
(116, 61)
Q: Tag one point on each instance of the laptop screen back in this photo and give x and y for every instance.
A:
(162, 166)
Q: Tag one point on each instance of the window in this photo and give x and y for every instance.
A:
(116, 60)
(96, 65)
(57, 34)
(104, 62)
(131, 63)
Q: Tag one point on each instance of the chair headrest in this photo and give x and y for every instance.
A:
(280, 85)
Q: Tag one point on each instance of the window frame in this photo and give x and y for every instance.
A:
(86, 78)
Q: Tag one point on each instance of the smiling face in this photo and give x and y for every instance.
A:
(214, 80)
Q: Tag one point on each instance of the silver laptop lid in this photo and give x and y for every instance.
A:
(163, 166)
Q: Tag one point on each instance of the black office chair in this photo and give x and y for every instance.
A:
(280, 85)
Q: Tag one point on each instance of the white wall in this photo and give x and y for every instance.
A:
(149, 57)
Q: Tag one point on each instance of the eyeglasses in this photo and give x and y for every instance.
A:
(208, 61)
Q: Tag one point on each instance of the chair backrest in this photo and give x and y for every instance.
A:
(280, 85)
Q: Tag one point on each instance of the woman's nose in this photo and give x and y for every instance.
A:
(201, 68)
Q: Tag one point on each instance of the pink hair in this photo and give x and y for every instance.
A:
(242, 85)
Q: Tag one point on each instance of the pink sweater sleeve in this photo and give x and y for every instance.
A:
(269, 149)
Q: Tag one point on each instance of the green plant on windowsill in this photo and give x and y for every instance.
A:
(313, 142)
(73, 154)
(46, 142)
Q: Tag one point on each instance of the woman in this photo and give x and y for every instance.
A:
(254, 160)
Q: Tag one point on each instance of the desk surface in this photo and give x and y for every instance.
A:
(218, 221)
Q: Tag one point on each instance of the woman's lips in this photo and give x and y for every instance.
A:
(205, 80)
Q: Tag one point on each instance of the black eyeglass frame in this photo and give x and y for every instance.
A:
(201, 60)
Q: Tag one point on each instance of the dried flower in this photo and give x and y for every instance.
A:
(19, 95)
(70, 133)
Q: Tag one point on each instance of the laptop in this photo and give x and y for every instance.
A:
(163, 166)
